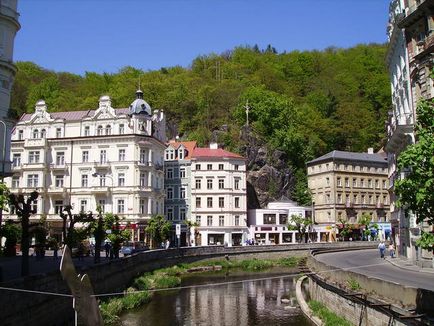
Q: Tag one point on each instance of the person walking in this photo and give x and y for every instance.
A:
(382, 248)
(392, 250)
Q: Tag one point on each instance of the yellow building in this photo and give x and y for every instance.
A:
(345, 185)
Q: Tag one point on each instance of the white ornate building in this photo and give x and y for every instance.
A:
(108, 157)
(8, 28)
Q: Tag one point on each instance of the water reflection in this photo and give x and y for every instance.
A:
(249, 303)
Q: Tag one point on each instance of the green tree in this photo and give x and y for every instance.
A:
(300, 224)
(365, 221)
(159, 229)
(11, 232)
(190, 225)
(117, 236)
(415, 192)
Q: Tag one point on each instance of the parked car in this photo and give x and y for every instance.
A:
(129, 248)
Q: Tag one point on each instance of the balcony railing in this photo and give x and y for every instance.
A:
(37, 142)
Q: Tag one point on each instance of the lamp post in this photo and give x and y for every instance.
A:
(96, 174)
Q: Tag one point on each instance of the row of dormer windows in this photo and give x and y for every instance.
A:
(346, 167)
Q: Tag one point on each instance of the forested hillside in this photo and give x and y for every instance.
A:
(303, 103)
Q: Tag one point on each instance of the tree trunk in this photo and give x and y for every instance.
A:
(25, 241)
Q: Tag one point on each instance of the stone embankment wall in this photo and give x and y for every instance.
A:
(18, 308)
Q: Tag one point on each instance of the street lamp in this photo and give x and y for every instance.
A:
(96, 174)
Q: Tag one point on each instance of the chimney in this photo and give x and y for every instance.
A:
(213, 145)
(370, 150)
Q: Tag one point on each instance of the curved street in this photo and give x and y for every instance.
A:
(368, 262)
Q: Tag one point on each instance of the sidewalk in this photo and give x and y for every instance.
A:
(408, 265)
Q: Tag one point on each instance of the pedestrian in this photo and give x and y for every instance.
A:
(107, 248)
(92, 249)
(167, 243)
(392, 250)
(382, 248)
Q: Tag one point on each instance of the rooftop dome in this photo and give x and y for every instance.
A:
(139, 106)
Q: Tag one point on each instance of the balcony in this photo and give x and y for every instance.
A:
(34, 166)
(35, 143)
(57, 190)
(398, 128)
(102, 164)
(424, 46)
(100, 189)
(415, 12)
(58, 167)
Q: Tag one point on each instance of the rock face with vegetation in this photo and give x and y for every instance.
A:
(301, 104)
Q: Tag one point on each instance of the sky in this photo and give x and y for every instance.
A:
(105, 35)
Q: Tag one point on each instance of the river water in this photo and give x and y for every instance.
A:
(240, 303)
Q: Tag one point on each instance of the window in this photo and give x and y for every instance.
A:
(143, 179)
(209, 220)
(221, 220)
(370, 199)
(384, 184)
(237, 220)
(182, 172)
(108, 130)
(198, 183)
(237, 184)
(143, 157)
(85, 156)
(169, 193)
(102, 180)
(87, 131)
(327, 198)
(170, 213)
(170, 154)
(221, 183)
(84, 181)
(354, 182)
(209, 166)
(328, 181)
(339, 198)
(121, 206)
(20, 134)
(83, 205)
(338, 182)
(377, 183)
(236, 167)
(181, 153)
(169, 174)
(16, 160)
(32, 181)
(369, 183)
(198, 219)
(198, 204)
(121, 128)
(59, 181)
(209, 202)
(103, 156)
(237, 202)
(182, 193)
(99, 131)
(15, 182)
(34, 206)
(34, 157)
(221, 202)
(347, 182)
(35, 133)
(122, 155)
(121, 179)
(220, 167)
(363, 200)
(43, 133)
(197, 166)
(60, 158)
(283, 219)
(58, 132)
(143, 206)
(209, 184)
(58, 206)
(362, 183)
(101, 204)
(182, 214)
(355, 199)
(269, 218)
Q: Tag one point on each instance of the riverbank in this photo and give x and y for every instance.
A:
(145, 286)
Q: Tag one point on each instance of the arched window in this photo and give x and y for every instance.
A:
(35, 133)
(99, 131)
(43, 133)
(108, 130)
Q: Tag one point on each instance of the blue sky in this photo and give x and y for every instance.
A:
(106, 35)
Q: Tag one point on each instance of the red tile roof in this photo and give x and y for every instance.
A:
(189, 145)
(214, 153)
(73, 115)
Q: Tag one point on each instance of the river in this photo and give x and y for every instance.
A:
(238, 303)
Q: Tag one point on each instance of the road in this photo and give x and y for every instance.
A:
(368, 262)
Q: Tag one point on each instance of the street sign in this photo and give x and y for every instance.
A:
(178, 230)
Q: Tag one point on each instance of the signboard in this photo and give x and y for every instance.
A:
(178, 230)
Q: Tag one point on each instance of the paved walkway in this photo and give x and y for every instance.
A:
(10, 267)
(368, 262)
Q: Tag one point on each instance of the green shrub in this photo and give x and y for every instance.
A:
(171, 271)
(328, 317)
(142, 283)
(353, 284)
(135, 299)
(165, 281)
(256, 264)
(288, 262)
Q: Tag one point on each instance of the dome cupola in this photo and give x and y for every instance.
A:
(139, 106)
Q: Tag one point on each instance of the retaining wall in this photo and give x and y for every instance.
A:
(18, 308)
